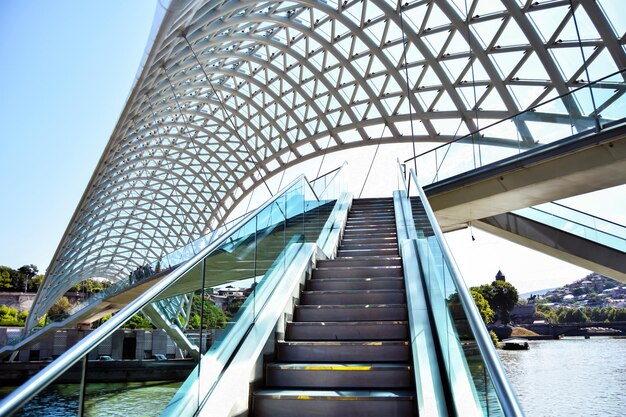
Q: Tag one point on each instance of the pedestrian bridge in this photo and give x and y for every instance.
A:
(356, 305)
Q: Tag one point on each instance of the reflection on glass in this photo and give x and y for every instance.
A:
(464, 364)
(205, 312)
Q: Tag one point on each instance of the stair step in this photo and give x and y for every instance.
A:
(352, 297)
(362, 202)
(343, 351)
(382, 222)
(376, 283)
(370, 228)
(361, 251)
(305, 403)
(393, 245)
(342, 331)
(372, 214)
(357, 272)
(349, 375)
(334, 313)
(352, 224)
(364, 239)
(357, 233)
(388, 212)
(374, 261)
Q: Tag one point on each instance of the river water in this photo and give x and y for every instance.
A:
(133, 399)
(570, 377)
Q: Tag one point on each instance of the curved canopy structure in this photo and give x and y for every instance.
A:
(232, 92)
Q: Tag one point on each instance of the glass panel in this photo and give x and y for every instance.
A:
(206, 311)
(599, 105)
(578, 223)
(472, 390)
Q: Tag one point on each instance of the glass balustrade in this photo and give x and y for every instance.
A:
(323, 189)
(588, 109)
(469, 358)
(183, 331)
(581, 224)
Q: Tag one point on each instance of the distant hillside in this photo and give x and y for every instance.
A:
(594, 289)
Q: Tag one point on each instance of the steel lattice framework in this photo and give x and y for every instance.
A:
(233, 91)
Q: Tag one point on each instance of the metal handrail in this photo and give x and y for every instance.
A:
(329, 172)
(322, 176)
(42, 379)
(508, 400)
(528, 110)
(122, 284)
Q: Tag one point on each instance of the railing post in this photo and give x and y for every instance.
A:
(83, 387)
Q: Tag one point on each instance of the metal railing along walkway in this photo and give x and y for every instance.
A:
(472, 375)
(593, 108)
(579, 223)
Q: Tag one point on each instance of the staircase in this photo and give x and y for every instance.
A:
(347, 350)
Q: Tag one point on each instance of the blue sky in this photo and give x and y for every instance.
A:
(66, 69)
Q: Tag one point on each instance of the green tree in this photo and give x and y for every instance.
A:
(139, 321)
(14, 282)
(545, 312)
(483, 306)
(6, 284)
(59, 310)
(234, 307)
(213, 317)
(35, 283)
(6, 311)
(494, 338)
(501, 296)
(194, 321)
(617, 314)
(572, 315)
(27, 272)
(11, 317)
(597, 314)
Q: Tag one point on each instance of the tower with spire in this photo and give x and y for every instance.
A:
(500, 276)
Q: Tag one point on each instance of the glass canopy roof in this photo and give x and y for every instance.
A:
(232, 92)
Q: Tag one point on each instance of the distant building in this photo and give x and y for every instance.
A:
(523, 314)
(225, 297)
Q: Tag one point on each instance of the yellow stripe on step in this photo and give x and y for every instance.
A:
(336, 368)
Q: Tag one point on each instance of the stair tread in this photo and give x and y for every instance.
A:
(350, 323)
(343, 342)
(353, 366)
(368, 257)
(338, 394)
(357, 279)
(327, 268)
(352, 306)
(350, 291)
